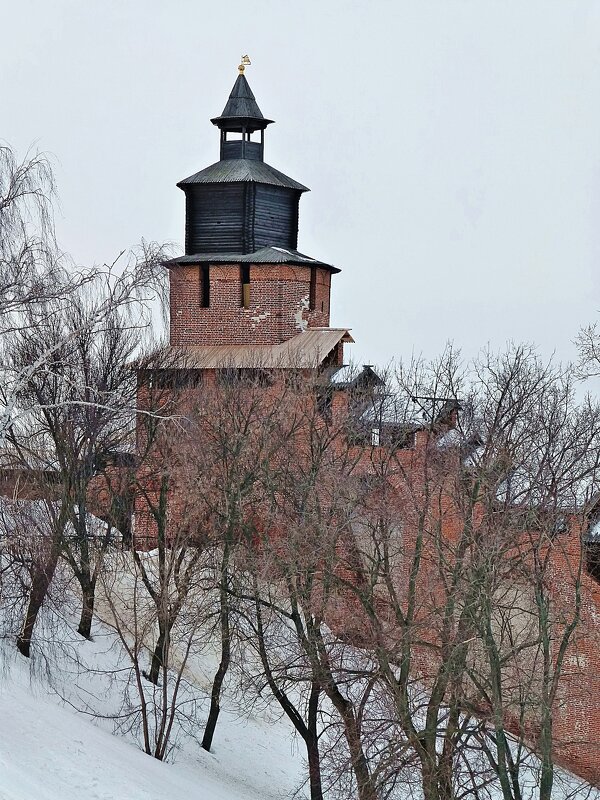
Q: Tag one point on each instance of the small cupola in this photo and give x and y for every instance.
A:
(241, 123)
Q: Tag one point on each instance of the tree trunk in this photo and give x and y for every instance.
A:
(314, 769)
(315, 649)
(545, 750)
(309, 731)
(88, 594)
(40, 583)
(312, 745)
(215, 695)
(159, 654)
(364, 781)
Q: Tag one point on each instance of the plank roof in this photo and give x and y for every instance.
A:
(306, 350)
(240, 170)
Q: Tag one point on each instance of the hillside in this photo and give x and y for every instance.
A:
(50, 751)
(67, 731)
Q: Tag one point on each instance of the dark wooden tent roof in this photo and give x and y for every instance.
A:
(239, 205)
(239, 170)
(241, 105)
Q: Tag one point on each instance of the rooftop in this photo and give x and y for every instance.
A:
(240, 170)
(266, 255)
(241, 106)
(307, 350)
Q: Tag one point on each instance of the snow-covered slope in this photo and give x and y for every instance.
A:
(49, 751)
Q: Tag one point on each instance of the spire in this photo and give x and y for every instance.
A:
(241, 102)
(241, 110)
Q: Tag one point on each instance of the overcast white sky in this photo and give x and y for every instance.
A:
(452, 148)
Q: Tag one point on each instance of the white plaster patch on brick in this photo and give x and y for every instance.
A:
(258, 318)
(301, 323)
(577, 661)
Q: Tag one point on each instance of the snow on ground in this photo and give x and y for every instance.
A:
(49, 751)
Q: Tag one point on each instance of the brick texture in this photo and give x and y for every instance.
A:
(278, 308)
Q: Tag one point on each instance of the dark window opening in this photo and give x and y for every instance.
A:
(245, 281)
(333, 358)
(170, 378)
(325, 402)
(592, 560)
(374, 433)
(294, 379)
(232, 376)
(312, 296)
(204, 286)
(257, 377)
(177, 378)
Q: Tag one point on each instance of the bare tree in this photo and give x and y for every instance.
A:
(243, 422)
(78, 421)
(310, 499)
(137, 590)
(535, 470)
(460, 535)
(68, 400)
(31, 534)
(31, 268)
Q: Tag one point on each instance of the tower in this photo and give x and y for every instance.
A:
(242, 282)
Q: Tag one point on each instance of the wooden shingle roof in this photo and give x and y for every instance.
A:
(238, 170)
(306, 350)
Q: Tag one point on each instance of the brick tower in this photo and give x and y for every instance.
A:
(242, 295)
(243, 301)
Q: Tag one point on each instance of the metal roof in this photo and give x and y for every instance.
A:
(239, 170)
(307, 350)
(349, 377)
(241, 104)
(266, 255)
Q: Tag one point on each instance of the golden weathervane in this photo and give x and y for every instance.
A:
(245, 62)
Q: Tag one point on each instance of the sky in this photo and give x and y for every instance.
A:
(452, 147)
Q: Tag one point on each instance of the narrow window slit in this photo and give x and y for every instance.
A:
(245, 281)
(312, 296)
(204, 286)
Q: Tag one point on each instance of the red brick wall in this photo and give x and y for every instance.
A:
(279, 299)
(577, 708)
